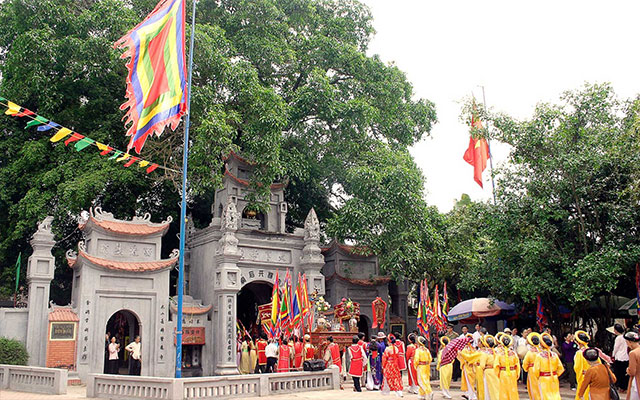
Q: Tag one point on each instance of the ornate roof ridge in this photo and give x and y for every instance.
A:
(131, 266)
(350, 249)
(238, 157)
(138, 226)
(245, 182)
(374, 281)
(63, 313)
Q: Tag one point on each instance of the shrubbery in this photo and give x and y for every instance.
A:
(12, 352)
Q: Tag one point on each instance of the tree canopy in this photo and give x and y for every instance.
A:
(565, 222)
(288, 83)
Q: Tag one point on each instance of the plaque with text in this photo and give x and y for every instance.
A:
(63, 331)
(191, 335)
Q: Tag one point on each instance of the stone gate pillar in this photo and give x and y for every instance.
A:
(312, 259)
(226, 288)
(40, 271)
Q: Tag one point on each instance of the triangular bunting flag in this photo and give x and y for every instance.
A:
(143, 163)
(12, 108)
(124, 157)
(74, 138)
(115, 155)
(61, 134)
(84, 143)
(48, 126)
(131, 161)
(152, 168)
(37, 121)
(24, 113)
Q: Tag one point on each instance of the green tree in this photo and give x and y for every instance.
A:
(288, 83)
(565, 220)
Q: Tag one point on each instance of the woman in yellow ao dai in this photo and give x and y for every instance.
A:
(507, 367)
(547, 369)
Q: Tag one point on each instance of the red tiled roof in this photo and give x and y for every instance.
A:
(237, 157)
(193, 310)
(127, 227)
(132, 266)
(244, 182)
(63, 314)
(361, 251)
(375, 281)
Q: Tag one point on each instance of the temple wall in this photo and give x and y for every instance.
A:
(13, 323)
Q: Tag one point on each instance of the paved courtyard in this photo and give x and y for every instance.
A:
(78, 392)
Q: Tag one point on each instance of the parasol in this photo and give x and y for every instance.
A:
(479, 308)
(631, 307)
(450, 351)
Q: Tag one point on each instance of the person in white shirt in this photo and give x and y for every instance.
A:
(112, 367)
(464, 330)
(477, 335)
(620, 357)
(135, 356)
(271, 351)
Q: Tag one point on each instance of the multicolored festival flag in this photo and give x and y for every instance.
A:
(275, 307)
(156, 84)
(477, 153)
(638, 285)
(445, 302)
(540, 318)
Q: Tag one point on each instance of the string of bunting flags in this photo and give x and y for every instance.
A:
(81, 142)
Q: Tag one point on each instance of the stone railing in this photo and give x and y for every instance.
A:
(142, 387)
(33, 379)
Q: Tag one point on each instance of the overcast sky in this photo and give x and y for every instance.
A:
(521, 52)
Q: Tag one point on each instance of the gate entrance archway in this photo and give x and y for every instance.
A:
(124, 326)
(250, 297)
(363, 326)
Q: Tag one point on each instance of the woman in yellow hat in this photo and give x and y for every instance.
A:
(468, 358)
(422, 361)
(480, 364)
(491, 381)
(547, 368)
(580, 364)
(507, 367)
(445, 371)
(528, 363)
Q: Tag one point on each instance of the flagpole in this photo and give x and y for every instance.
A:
(493, 185)
(183, 204)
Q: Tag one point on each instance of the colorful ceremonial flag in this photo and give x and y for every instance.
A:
(541, 320)
(445, 302)
(477, 153)
(296, 305)
(285, 305)
(156, 85)
(638, 285)
(275, 302)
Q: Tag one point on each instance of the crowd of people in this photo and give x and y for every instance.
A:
(489, 366)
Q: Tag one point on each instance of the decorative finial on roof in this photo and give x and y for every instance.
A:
(311, 227)
(230, 217)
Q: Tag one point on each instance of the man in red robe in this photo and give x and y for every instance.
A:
(309, 350)
(356, 359)
(332, 355)
(411, 368)
(298, 348)
(285, 356)
(402, 362)
(261, 344)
